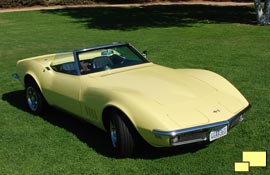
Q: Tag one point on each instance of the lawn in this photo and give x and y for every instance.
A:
(221, 39)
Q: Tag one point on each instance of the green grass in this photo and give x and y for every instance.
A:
(207, 37)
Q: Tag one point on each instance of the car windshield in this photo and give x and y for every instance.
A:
(97, 60)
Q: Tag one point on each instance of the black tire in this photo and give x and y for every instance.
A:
(122, 137)
(34, 98)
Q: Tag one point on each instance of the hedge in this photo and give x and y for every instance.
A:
(27, 3)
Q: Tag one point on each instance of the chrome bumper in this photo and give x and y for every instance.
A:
(199, 133)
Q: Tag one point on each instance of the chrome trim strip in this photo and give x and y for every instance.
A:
(100, 47)
(202, 127)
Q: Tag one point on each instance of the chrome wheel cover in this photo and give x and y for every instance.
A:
(32, 98)
(113, 134)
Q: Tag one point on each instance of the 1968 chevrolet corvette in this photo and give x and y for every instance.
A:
(117, 89)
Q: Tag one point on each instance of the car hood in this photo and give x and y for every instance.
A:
(186, 100)
(163, 85)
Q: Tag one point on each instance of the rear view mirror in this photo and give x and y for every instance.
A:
(107, 52)
(144, 53)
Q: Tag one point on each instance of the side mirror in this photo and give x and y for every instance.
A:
(144, 53)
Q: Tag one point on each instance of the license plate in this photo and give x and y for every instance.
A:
(218, 132)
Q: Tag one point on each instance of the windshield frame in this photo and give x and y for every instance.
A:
(76, 53)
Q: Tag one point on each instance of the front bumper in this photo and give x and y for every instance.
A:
(198, 133)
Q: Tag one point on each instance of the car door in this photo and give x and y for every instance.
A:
(63, 90)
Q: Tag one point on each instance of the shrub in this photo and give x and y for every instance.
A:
(27, 3)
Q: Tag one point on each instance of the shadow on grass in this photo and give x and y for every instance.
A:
(132, 18)
(91, 135)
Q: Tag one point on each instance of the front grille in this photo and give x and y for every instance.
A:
(191, 138)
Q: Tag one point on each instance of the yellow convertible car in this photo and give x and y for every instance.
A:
(118, 90)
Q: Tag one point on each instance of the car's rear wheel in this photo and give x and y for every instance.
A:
(121, 135)
(35, 101)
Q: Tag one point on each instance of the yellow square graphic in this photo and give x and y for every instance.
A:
(256, 158)
(241, 166)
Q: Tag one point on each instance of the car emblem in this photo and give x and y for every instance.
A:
(216, 111)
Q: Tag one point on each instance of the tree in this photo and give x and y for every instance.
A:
(263, 12)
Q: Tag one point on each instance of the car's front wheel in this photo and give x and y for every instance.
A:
(122, 137)
(34, 98)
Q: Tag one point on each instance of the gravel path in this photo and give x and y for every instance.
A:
(127, 5)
